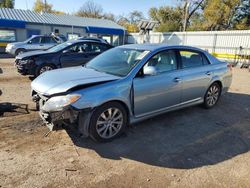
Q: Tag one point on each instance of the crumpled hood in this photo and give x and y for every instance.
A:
(61, 80)
(32, 53)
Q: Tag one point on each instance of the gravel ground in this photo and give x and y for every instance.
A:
(192, 147)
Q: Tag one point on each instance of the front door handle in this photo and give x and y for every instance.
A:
(177, 79)
(208, 73)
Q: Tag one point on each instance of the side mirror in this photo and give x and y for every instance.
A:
(150, 71)
(30, 42)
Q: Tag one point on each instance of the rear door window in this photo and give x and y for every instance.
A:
(191, 59)
(48, 40)
(95, 47)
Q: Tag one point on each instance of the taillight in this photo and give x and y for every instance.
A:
(230, 66)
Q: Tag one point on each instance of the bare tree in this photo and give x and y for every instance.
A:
(190, 7)
(90, 9)
(135, 16)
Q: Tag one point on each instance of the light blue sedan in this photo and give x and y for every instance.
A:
(128, 84)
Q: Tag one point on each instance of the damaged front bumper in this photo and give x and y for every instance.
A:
(65, 116)
(54, 119)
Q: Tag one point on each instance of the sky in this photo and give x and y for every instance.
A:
(117, 7)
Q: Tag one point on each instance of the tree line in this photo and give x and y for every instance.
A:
(185, 15)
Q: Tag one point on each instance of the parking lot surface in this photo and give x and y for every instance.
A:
(192, 147)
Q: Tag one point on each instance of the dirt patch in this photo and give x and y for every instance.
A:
(192, 147)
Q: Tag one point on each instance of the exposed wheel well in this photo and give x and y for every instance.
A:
(18, 50)
(120, 102)
(219, 83)
(38, 67)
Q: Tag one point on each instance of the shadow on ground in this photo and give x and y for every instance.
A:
(13, 109)
(5, 55)
(189, 138)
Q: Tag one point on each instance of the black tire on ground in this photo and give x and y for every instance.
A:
(43, 68)
(111, 125)
(212, 95)
(19, 51)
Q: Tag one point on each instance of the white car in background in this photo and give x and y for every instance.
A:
(36, 42)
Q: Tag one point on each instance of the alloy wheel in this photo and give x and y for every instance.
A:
(45, 68)
(109, 123)
(213, 95)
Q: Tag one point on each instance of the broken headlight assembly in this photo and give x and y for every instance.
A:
(57, 103)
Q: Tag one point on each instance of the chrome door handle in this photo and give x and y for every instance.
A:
(177, 79)
(208, 73)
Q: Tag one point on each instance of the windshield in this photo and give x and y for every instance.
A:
(117, 61)
(59, 47)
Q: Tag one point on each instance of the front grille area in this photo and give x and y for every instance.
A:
(20, 66)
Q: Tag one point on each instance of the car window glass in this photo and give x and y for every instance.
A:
(117, 61)
(205, 60)
(190, 59)
(80, 48)
(164, 61)
(48, 40)
(98, 48)
(35, 40)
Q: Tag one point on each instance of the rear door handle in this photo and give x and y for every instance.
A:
(208, 73)
(177, 79)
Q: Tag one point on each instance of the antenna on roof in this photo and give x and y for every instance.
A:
(146, 26)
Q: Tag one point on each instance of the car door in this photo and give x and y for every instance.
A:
(154, 93)
(34, 43)
(196, 75)
(47, 42)
(75, 55)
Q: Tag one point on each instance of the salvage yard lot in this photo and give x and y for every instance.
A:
(193, 147)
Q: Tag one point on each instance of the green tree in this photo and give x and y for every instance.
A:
(220, 14)
(7, 3)
(40, 6)
(170, 18)
(242, 17)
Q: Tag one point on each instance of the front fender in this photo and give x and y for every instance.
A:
(98, 95)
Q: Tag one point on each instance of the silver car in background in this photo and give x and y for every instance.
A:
(128, 84)
(36, 42)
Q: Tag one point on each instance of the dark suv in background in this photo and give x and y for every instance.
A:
(67, 54)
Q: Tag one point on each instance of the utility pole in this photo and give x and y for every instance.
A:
(186, 8)
(45, 6)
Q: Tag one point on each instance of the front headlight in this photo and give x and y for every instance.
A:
(27, 61)
(59, 102)
(9, 46)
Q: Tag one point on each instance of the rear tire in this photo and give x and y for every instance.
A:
(212, 95)
(108, 122)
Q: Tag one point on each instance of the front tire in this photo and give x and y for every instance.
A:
(19, 51)
(108, 121)
(212, 95)
(43, 68)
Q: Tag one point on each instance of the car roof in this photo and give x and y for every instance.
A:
(73, 41)
(153, 47)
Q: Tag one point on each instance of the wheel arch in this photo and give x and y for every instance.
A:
(126, 107)
(218, 82)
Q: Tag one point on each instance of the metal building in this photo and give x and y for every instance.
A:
(18, 25)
